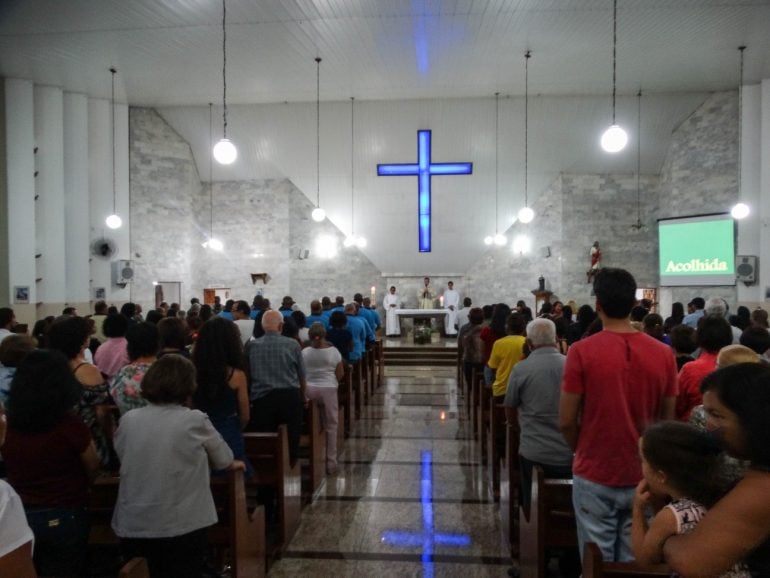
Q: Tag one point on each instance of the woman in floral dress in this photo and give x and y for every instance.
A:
(126, 386)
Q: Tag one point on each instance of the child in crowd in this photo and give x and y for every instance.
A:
(683, 464)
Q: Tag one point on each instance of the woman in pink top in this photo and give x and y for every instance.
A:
(113, 353)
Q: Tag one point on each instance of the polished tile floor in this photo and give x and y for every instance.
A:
(410, 497)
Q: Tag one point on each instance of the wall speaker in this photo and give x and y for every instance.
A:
(123, 271)
(746, 268)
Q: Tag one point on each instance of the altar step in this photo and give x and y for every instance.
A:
(424, 355)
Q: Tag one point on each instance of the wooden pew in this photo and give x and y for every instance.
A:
(371, 374)
(358, 386)
(269, 454)
(240, 532)
(346, 401)
(135, 568)
(477, 381)
(595, 567)
(380, 353)
(509, 487)
(312, 447)
(482, 418)
(495, 454)
(102, 498)
(550, 522)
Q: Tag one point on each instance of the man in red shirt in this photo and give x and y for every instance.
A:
(616, 382)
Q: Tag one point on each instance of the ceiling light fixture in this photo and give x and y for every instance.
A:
(526, 214)
(113, 221)
(225, 152)
(353, 239)
(318, 213)
(740, 210)
(212, 242)
(498, 238)
(614, 138)
(638, 225)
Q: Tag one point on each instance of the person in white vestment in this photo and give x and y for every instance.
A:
(451, 304)
(425, 295)
(390, 303)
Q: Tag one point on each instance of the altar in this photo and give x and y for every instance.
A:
(438, 314)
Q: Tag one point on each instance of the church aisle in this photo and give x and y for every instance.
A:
(410, 483)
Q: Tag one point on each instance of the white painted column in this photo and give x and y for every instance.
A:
(76, 211)
(49, 214)
(764, 196)
(100, 190)
(20, 144)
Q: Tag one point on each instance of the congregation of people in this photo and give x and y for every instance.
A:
(660, 423)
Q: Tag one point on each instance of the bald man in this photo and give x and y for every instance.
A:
(277, 381)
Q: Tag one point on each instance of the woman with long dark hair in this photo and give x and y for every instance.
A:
(50, 455)
(222, 391)
(496, 328)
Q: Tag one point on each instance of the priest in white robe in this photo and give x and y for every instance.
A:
(451, 304)
(391, 303)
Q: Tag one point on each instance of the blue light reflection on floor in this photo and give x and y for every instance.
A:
(428, 538)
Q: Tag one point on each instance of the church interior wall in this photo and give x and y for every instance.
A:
(4, 280)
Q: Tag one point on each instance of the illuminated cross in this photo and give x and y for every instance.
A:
(428, 538)
(424, 169)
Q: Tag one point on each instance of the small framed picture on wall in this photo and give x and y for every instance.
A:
(100, 294)
(21, 294)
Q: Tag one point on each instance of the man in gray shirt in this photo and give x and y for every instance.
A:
(534, 389)
(277, 381)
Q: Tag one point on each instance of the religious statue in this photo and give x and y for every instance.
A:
(425, 296)
(596, 259)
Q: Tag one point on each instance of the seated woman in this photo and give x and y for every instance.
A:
(50, 456)
(70, 336)
(323, 363)
(126, 386)
(737, 528)
(223, 391)
(164, 504)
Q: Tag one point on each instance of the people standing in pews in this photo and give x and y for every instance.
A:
(223, 390)
(616, 382)
(682, 464)
(323, 363)
(164, 505)
(50, 456)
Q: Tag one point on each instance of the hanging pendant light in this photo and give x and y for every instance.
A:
(212, 242)
(614, 138)
(113, 221)
(638, 225)
(318, 213)
(740, 210)
(224, 151)
(353, 239)
(526, 214)
(498, 238)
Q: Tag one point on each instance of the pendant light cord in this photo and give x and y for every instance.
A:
(742, 49)
(497, 146)
(211, 173)
(224, 67)
(614, 55)
(638, 157)
(527, 56)
(318, 131)
(352, 169)
(114, 188)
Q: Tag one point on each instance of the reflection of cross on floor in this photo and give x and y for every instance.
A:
(428, 538)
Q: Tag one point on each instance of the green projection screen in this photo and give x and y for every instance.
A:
(697, 250)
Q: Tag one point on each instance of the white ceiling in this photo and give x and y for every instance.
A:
(394, 55)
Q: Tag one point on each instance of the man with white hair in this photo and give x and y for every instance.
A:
(277, 381)
(533, 389)
(717, 307)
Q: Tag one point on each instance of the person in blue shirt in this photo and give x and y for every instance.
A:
(358, 328)
(316, 315)
(286, 307)
(373, 311)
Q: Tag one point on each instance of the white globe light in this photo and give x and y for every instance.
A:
(349, 241)
(740, 211)
(114, 222)
(521, 244)
(526, 215)
(216, 244)
(614, 139)
(318, 214)
(488, 240)
(500, 239)
(225, 152)
(361, 242)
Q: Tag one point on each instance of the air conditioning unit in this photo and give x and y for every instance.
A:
(746, 268)
(123, 271)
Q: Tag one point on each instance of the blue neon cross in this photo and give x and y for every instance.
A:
(428, 538)
(424, 169)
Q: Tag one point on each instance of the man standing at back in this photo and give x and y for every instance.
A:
(615, 384)
(277, 381)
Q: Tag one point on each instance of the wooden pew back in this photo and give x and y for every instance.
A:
(595, 567)
(312, 445)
